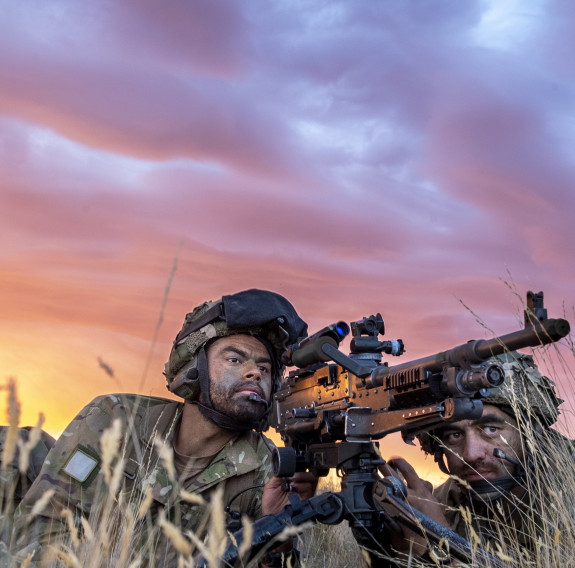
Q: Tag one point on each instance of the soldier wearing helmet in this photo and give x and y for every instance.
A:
(225, 364)
(491, 495)
(187, 368)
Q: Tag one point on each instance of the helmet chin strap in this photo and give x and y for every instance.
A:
(222, 420)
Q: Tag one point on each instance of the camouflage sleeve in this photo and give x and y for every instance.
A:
(18, 451)
(264, 472)
(70, 479)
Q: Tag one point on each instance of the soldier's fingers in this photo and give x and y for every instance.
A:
(303, 476)
(386, 469)
(406, 469)
(304, 483)
(274, 482)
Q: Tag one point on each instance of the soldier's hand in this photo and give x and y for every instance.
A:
(419, 496)
(277, 491)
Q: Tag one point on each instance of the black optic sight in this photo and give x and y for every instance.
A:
(309, 350)
(365, 338)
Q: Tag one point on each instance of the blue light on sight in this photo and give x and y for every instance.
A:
(342, 329)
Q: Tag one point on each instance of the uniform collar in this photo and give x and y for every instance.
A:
(238, 457)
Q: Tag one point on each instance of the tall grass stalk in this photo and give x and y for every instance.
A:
(125, 531)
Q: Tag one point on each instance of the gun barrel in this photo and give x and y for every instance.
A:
(476, 351)
(541, 333)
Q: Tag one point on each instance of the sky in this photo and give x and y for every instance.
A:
(408, 158)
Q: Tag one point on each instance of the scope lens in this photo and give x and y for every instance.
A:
(342, 329)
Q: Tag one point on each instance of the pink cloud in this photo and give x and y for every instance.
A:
(355, 158)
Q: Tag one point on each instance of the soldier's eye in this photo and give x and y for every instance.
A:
(452, 437)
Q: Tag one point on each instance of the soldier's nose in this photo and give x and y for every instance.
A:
(474, 449)
(252, 372)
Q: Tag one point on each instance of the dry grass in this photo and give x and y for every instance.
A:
(126, 533)
(329, 546)
(113, 537)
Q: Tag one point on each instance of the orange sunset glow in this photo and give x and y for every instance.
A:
(355, 157)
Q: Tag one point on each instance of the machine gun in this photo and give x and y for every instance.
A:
(333, 408)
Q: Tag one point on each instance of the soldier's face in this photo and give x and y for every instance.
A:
(469, 445)
(239, 367)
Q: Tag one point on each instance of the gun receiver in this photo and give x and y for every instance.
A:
(357, 399)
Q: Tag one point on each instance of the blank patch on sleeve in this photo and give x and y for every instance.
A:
(81, 466)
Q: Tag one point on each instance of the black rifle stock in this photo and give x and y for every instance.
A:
(330, 411)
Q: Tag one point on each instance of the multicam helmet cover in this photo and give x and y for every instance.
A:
(186, 346)
(265, 315)
(525, 390)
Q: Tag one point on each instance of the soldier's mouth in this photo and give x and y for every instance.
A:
(478, 474)
(253, 392)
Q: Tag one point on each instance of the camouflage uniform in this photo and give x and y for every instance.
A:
(73, 470)
(13, 482)
(149, 503)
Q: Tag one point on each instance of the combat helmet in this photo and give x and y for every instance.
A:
(265, 315)
(525, 393)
